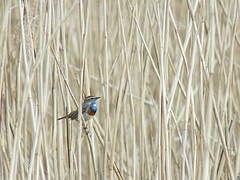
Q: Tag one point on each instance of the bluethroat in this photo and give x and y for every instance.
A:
(89, 109)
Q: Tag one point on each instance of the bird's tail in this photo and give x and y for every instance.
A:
(62, 118)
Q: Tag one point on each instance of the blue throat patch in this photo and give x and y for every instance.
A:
(93, 107)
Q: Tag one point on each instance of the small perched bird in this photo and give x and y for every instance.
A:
(89, 109)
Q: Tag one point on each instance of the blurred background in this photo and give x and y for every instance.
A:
(167, 73)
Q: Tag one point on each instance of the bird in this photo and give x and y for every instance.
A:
(89, 109)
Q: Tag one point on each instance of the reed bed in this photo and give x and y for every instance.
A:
(168, 73)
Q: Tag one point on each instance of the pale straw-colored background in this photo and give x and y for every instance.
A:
(168, 73)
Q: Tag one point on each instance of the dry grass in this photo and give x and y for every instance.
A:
(168, 74)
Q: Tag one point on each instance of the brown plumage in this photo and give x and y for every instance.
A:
(72, 115)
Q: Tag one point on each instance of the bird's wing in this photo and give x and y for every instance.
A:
(73, 114)
(84, 107)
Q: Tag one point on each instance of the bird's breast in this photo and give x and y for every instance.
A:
(91, 112)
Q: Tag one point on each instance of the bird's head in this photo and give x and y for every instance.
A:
(91, 99)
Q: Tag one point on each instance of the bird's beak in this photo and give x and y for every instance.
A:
(97, 98)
